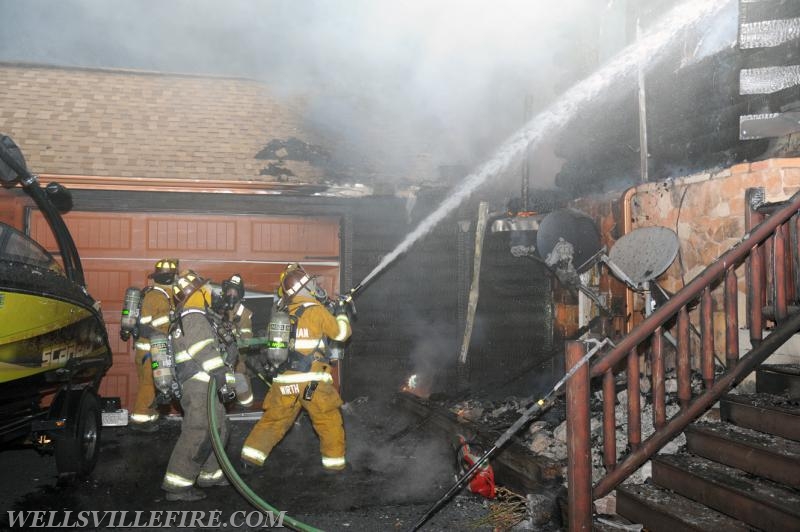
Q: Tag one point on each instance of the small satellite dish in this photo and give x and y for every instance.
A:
(645, 253)
(573, 227)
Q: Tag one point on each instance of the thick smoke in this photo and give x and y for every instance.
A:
(651, 47)
(397, 89)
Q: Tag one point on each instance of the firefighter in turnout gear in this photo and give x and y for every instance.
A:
(307, 383)
(154, 317)
(198, 359)
(236, 324)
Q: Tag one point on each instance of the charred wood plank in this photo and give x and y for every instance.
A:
(760, 10)
(764, 455)
(762, 412)
(779, 379)
(758, 502)
(661, 510)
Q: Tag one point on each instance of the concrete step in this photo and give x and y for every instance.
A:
(758, 502)
(779, 379)
(771, 414)
(662, 510)
(763, 455)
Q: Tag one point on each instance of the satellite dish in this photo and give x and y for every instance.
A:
(645, 253)
(573, 227)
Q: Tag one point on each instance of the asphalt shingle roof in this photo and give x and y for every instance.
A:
(152, 125)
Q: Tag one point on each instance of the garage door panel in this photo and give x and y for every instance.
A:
(296, 238)
(191, 235)
(122, 385)
(91, 232)
(107, 286)
(11, 208)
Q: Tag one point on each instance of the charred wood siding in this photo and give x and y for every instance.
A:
(407, 315)
(769, 44)
(512, 343)
(692, 120)
(411, 316)
(693, 113)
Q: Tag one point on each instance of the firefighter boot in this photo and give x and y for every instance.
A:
(207, 480)
(188, 495)
(146, 427)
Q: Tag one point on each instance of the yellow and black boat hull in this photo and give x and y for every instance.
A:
(51, 334)
(40, 334)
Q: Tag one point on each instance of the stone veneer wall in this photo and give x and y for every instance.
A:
(707, 212)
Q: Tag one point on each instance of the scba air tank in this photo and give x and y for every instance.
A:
(163, 363)
(130, 309)
(279, 333)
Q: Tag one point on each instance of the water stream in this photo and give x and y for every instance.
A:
(647, 50)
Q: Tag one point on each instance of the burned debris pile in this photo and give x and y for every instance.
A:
(545, 439)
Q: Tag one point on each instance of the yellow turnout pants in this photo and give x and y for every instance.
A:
(281, 406)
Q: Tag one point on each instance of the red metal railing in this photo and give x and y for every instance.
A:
(771, 240)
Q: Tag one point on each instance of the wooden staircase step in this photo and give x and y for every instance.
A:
(779, 379)
(660, 509)
(760, 454)
(758, 502)
(771, 414)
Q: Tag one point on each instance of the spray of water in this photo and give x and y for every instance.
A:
(647, 50)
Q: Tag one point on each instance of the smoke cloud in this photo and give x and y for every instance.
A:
(395, 89)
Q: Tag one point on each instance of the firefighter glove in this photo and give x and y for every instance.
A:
(224, 380)
(344, 306)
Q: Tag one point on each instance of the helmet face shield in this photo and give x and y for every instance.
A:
(165, 271)
(232, 291)
(163, 278)
(316, 290)
(230, 298)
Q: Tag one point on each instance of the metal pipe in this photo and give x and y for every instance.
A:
(627, 227)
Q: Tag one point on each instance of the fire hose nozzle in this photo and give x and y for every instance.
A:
(349, 296)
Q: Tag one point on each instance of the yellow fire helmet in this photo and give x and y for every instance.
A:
(191, 291)
(165, 271)
(292, 280)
